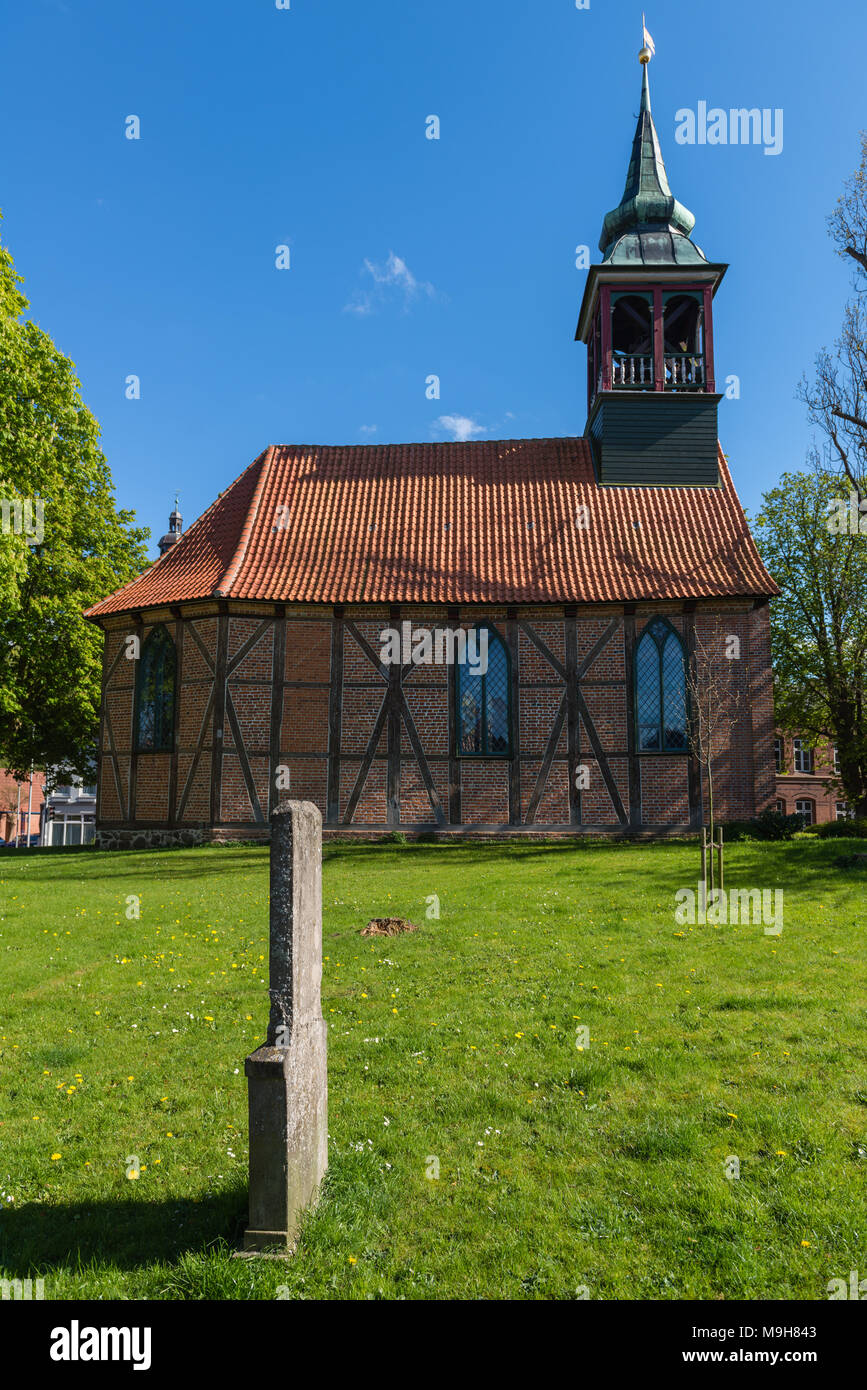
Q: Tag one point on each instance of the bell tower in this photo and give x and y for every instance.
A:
(175, 531)
(647, 322)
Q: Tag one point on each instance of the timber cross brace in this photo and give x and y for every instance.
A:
(300, 700)
(394, 711)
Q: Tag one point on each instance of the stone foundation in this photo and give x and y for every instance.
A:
(148, 839)
(157, 838)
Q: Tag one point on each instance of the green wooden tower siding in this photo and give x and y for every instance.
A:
(649, 437)
(652, 417)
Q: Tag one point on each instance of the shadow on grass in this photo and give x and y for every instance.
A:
(131, 864)
(42, 1236)
(806, 863)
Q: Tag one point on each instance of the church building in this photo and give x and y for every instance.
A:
(466, 638)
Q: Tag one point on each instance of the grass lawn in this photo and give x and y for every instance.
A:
(122, 1047)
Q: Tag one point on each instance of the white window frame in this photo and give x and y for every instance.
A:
(81, 819)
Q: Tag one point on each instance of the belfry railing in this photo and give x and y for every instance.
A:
(684, 371)
(634, 373)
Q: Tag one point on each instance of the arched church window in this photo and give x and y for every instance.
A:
(483, 704)
(632, 341)
(155, 694)
(660, 689)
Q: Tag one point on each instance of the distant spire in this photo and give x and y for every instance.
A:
(648, 205)
(175, 531)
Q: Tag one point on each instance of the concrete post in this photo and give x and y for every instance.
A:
(287, 1078)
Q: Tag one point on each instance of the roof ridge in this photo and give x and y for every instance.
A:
(222, 589)
(435, 443)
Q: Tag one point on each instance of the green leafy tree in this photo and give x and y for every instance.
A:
(819, 624)
(63, 545)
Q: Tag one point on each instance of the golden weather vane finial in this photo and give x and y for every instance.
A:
(648, 48)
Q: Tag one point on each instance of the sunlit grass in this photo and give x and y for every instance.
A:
(453, 1050)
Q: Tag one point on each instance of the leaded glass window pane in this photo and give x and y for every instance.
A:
(674, 694)
(155, 704)
(470, 711)
(647, 673)
(497, 699)
(660, 687)
(483, 702)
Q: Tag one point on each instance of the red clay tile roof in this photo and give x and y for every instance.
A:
(482, 522)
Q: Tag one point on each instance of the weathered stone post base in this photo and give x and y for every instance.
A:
(288, 1104)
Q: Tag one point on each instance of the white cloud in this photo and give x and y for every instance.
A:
(368, 429)
(460, 427)
(392, 280)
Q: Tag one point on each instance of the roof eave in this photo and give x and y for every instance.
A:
(712, 271)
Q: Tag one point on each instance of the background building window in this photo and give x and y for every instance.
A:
(803, 756)
(781, 807)
(660, 690)
(155, 694)
(484, 714)
(844, 811)
(70, 830)
(806, 809)
(778, 753)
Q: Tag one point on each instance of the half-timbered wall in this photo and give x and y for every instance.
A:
(264, 690)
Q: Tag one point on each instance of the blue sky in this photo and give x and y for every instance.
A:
(409, 257)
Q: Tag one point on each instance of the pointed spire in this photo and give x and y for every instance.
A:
(648, 205)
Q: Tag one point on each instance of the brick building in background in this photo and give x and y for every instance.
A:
(21, 807)
(802, 780)
(591, 565)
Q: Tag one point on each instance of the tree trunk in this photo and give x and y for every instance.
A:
(710, 810)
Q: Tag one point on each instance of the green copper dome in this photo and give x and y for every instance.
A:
(649, 224)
